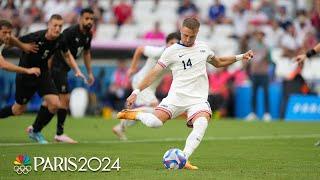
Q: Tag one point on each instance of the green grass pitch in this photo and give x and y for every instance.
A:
(231, 149)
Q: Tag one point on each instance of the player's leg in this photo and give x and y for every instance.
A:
(49, 107)
(61, 117)
(121, 127)
(198, 118)
(25, 89)
(13, 110)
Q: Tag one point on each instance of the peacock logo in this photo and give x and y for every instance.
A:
(22, 164)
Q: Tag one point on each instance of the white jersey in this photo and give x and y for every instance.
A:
(188, 65)
(1, 48)
(153, 53)
(147, 96)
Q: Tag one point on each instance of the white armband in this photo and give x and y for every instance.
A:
(136, 91)
(239, 57)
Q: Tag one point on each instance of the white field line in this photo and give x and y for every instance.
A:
(275, 137)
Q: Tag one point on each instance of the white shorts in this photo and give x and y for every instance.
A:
(191, 110)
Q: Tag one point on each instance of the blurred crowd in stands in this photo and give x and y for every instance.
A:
(261, 25)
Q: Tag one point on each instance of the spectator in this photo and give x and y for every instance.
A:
(268, 8)
(217, 12)
(34, 12)
(219, 91)
(187, 9)
(119, 88)
(282, 16)
(122, 14)
(302, 25)
(273, 33)
(155, 33)
(259, 69)
(289, 42)
(241, 19)
(315, 17)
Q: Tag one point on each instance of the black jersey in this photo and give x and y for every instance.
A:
(46, 50)
(76, 42)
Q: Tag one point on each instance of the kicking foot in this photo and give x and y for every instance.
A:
(118, 131)
(127, 114)
(37, 137)
(189, 166)
(64, 138)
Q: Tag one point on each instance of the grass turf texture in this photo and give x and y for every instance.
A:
(230, 149)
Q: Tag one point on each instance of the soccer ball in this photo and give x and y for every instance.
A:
(174, 159)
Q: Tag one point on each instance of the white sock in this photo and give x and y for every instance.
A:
(149, 120)
(126, 123)
(199, 128)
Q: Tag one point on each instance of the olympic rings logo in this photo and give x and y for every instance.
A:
(22, 169)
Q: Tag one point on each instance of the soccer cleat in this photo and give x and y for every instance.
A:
(317, 143)
(118, 131)
(64, 138)
(189, 166)
(127, 114)
(37, 137)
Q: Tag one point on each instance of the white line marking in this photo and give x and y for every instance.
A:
(302, 136)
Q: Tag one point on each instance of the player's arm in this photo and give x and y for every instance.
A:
(146, 82)
(14, 68)
(227, 60)
(26, 47)
(72, 63)
(135, 61)
(312, 52)
(87, 62)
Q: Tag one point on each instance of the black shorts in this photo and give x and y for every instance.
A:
(28, 85)
(60, 79)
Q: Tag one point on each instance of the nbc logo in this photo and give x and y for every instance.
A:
(22, 164)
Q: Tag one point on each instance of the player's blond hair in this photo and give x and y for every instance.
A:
(191, 23)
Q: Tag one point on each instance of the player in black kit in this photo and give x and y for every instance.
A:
(48, 42)
(78, 39)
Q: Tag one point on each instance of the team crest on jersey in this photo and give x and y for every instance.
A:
(202, 51)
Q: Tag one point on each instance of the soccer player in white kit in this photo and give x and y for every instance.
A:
(146, 100)
(189, 89)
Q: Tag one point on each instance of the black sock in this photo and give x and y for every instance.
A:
(6, 112)
(62, 114)
(43, 118)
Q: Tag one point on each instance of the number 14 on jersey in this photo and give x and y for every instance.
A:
(185, 65)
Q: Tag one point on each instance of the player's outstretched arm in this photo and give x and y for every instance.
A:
(300, 58)
(26, 47)
(146, 82)
(14, 68)
(135, 61)
(227, 60)
(72, 63)
(87, 62)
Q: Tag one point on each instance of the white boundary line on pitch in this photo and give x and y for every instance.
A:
(181, 139)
